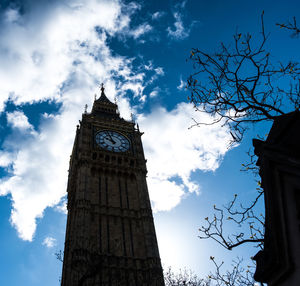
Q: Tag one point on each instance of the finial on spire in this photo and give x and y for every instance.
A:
(85, 109)
(102, 88)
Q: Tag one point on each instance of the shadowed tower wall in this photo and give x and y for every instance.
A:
(110, 236)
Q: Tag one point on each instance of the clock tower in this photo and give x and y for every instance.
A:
(110, 236)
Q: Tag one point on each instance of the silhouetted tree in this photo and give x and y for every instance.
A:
(240, 85)
(250, 224)
(183, 278)
(237, 275)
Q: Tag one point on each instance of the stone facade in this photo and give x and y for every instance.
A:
(278, 264)
(110, 236)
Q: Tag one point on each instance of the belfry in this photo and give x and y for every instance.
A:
(110, 235)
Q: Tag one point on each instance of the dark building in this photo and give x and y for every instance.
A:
(278, 264)
(110, 236)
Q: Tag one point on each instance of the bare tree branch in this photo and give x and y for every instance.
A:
(239, 85)
(250, 224)
(291, 26)
(237, 275)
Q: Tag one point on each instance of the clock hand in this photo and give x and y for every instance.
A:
(110, 138)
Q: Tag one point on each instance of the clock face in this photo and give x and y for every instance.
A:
(112, 141)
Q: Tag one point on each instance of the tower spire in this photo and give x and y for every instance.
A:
(102, 88)
(103, 97)
(103, 105)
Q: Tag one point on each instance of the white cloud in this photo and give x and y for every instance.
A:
(62, 206)
(179, 32)
(157, 15)
(19, 120)
(38, 177)
(67, 36)
(49, 242)
(11, 15)
(159, 71)
(140, 30)
(155, 92)
(182, 84)
(165, 194)
(5, 159)
(60, 56)
(174, 150)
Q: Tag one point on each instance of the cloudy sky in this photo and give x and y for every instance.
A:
(54, 55)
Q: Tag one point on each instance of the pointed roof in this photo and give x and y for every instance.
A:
(103, 98)
(104, 107)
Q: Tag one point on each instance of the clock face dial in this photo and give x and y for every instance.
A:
(112, 141)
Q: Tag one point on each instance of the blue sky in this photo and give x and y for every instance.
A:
(54, 54)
